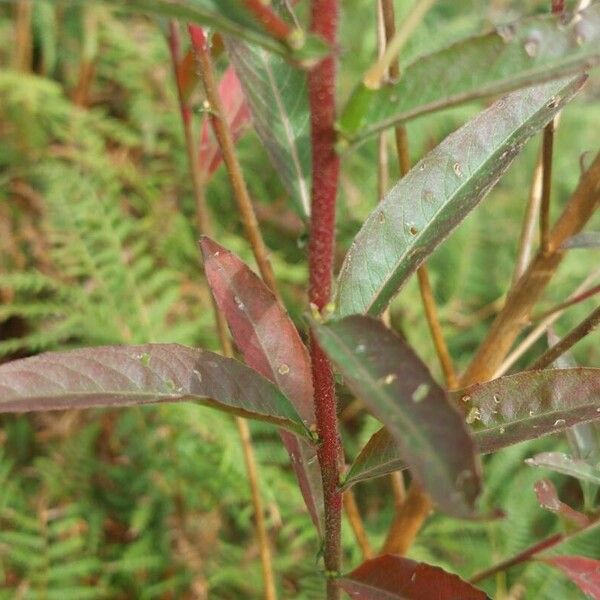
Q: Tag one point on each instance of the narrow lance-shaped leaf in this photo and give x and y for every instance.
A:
(521, 54)
(438, 193)
(391, 577)
(506, 411)
(567, 465)
(116, 376)
(385, 373)
(278, 99)
(227, 16)
(270, 343)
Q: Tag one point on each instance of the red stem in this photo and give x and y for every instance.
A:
(325, 176)
(270, 20)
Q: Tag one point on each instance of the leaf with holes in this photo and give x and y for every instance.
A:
(117, 376)
(518, 55)
(438, 193)
(506, 411)
(270, 343)
(385, 373)
(278, 98)
(391, 577)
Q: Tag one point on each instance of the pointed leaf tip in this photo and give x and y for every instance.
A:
(385, 373)
(118, 376)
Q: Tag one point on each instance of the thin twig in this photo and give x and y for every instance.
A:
(355, 520)
(23, 46)
(540, 329)
(225, 139)
(205, 227)
(375, 76)
(518, 558)
(568, 303)
(547, 151)
(525, 294)
(408, 521)
(586, 326)
(528, 229)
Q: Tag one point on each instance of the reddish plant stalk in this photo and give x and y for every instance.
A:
(270, 20)
(325, 176)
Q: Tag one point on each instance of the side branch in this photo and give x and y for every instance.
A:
(530, 287)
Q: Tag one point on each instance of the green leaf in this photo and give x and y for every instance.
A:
(567, 465)
(117, 376)
(277, 95)
(507, 411)
(227, 16)
(385, 373)
(525, 53)
(438, 193)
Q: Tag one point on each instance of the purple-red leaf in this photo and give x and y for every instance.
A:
(260, 326)
(583, 572)
(385, 373)
(236, 114)
(548, 498)
(116, 376)
(270, 343)
(391, 577)
(505, 411)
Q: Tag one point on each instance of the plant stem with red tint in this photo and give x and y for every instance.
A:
(325, 176)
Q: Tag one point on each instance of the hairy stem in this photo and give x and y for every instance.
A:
(525, 294)
(325, 177)
(586, 326)
(225, 139)
(204, 226)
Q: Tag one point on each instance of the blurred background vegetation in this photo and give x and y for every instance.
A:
(98, 246)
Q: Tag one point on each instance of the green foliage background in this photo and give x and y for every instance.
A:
(98, 245)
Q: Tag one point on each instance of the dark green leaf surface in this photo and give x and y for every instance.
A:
(116, 376)
(511, 409)
(525, 53)
(438, 193)
(384, 372)
(277, 95)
